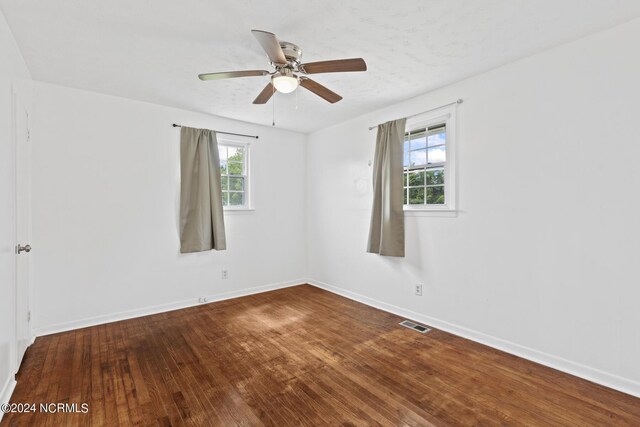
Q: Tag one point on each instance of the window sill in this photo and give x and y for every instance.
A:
(434, 212)
(239, 211)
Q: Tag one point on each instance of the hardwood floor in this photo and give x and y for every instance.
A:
(297, 356)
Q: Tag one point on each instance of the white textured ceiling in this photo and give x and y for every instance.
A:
(152, 50)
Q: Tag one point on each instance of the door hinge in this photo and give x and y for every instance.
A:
(29, 316)
(28, 135)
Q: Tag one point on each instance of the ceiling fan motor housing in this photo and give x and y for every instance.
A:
(292, 52)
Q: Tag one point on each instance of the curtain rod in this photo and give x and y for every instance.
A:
(457, 101)
(226, 133)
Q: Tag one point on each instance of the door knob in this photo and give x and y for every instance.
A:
(25, 248)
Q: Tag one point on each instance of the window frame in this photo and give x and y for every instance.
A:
(229, 141)
(446, 116)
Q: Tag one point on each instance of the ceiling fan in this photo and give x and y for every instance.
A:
(289, 71)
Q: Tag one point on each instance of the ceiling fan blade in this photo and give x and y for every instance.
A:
(232, 74)
(270, 44)
(336, 66)
(319, 90)
(265, 95)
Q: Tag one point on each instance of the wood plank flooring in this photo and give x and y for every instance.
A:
(299, 356)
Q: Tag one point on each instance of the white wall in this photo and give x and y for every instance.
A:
(542, 258)
(105, 228)
(14, 77)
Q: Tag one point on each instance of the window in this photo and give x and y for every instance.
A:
(234, 173)
(425, 154)
(427, 163)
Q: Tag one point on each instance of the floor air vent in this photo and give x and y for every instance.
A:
(415, 326)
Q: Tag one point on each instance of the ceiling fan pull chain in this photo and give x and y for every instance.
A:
(273, 109)
(297, 99)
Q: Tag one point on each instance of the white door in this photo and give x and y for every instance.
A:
(21, 136)
(7, 238)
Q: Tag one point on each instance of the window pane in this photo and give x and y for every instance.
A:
(435, 176)
(223, 167)
(404, 191)
(416, 196)
(236, 198)
(236, 154)
(437, 139)
(436, 154)
(224, 183)
(225, 198)
(418, 157)
(435, 195)
(405, 161)
(418, 142)
(404, 179)
(236, 184)
(235, 168)
(222, 151)
(416, 178)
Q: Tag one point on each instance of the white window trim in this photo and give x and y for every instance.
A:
(248, 193)
(446, 115)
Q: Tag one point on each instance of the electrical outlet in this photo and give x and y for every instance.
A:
(418, 290)
(225, 274)
(203, 300)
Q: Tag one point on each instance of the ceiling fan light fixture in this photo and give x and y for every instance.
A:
(285, 83)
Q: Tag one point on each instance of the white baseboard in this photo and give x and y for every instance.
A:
(7, 391)
(145, 311)
(597, 376)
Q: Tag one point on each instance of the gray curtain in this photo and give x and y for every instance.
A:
(201, 214)
(386, 233)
